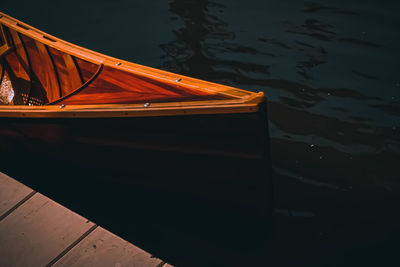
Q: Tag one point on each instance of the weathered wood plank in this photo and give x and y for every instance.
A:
(12, 193)
(102, 248)
(38, 231)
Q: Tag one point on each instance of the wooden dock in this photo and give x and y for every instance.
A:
(37, 231)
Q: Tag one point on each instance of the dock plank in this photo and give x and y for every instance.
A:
(102, 248)
(12, 193)
(38, 231)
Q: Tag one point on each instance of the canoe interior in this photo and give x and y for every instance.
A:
(41, 75)
(39, 69)
(193, 188)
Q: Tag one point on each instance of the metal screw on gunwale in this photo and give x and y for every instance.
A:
(146, 105)
(178, 80)
(118, 63)
(62, 106)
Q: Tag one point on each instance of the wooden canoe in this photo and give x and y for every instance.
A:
(64, 107)
(45, 79)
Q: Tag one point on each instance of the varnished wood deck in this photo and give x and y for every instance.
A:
(37, 231)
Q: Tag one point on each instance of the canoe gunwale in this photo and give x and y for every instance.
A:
(132, 110)
(240, 100)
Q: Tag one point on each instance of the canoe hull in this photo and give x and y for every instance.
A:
(202, 166)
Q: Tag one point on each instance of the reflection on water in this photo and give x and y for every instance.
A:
(205, 48)
(312, 67)
(330, 70)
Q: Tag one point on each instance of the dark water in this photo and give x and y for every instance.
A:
(331, 72)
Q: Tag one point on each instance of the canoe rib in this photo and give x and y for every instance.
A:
(125, 86)
(80, 88)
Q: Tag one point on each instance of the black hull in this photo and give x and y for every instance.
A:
(193, 190)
